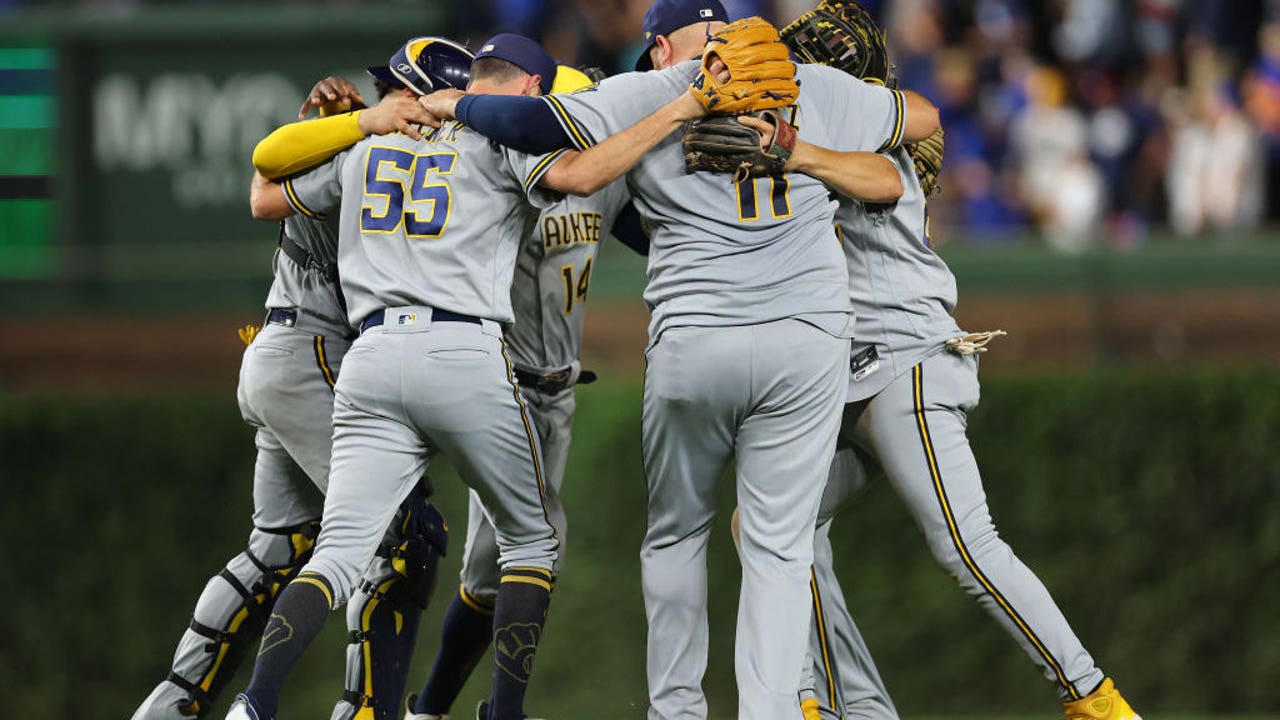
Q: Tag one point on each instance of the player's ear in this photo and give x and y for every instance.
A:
(533, 85)
(660, 52)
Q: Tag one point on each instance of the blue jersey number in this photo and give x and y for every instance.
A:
(396, 175)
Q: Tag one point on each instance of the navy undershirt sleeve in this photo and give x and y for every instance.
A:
(629, 229)
(522, 123)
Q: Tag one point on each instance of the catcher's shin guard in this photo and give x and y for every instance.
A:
(382, 615)
(228, 620)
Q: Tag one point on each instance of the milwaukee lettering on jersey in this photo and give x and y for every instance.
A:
(570, 229)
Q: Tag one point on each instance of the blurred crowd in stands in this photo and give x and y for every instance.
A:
(1092, 121)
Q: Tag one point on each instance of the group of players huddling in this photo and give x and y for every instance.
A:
(435, 254)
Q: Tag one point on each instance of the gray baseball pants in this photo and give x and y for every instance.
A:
(286, 392)
(769, 396)
(552, 418)
(915, 428)
(412, 388)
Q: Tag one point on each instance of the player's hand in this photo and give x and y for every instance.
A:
(333, 90)
(719, 70)
(441, 105)
(396, 113)
(764, 127)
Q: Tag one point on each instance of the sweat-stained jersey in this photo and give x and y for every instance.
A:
(435, 222)
(727, 254)
(553, 272)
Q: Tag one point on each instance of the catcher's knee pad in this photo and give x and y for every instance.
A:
(230, 615)
(383, 613)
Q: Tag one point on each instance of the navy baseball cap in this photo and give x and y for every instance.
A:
(525, 54)
(666, 16)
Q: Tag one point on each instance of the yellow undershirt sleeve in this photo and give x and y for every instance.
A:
(298, 146)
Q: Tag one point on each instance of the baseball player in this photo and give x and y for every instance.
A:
(428, 236)
(548, 297)
(736, 273)
(913, 382)
(286, 392)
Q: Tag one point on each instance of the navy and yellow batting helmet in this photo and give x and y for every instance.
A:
(427, 64)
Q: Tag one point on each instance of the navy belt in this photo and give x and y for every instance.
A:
(378, 317)
(279, 316)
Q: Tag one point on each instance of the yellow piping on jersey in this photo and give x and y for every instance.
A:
(899, 122)
(292, 196)
(579, 137)
(541, 168)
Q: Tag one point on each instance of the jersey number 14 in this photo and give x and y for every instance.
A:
(397, 175)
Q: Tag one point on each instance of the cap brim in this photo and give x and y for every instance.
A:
(644, 62)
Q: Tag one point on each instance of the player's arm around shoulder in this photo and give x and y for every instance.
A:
(588, 171)
(297, 146)
(921, 117)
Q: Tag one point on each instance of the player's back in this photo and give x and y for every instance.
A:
(553, 272)
(902, 292)
(309, 290)
(435, 222)
(725, 253)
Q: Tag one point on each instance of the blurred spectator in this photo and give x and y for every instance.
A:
(1215, 176)
(1084, 119)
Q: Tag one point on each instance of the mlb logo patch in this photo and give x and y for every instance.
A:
(706, 12)
(487, 48)
(407, 319)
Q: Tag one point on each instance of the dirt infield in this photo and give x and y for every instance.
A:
(118, 354)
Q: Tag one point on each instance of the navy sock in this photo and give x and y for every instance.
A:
(518, 615)
(296, 619)
(464, 637)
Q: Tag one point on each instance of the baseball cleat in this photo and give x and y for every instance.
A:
(242, 709)
(1105, 703)
(409, 714)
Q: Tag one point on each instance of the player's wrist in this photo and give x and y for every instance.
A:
(802, 158)
(686, 107)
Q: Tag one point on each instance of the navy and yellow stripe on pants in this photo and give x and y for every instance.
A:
(533, 446)
(940, 491)
(322, 361)
(828, 666)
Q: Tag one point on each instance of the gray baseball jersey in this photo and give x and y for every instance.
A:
(738, 274)
(428, 226)
(553, 272)
(307, 291)
(903, 293)
(423, 230)
(726, 254)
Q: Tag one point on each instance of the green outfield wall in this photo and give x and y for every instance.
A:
(1150, 506)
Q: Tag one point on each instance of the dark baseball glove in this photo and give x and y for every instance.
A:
(761, 74)
(926, 155)
(723, 144)
(840, 33)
